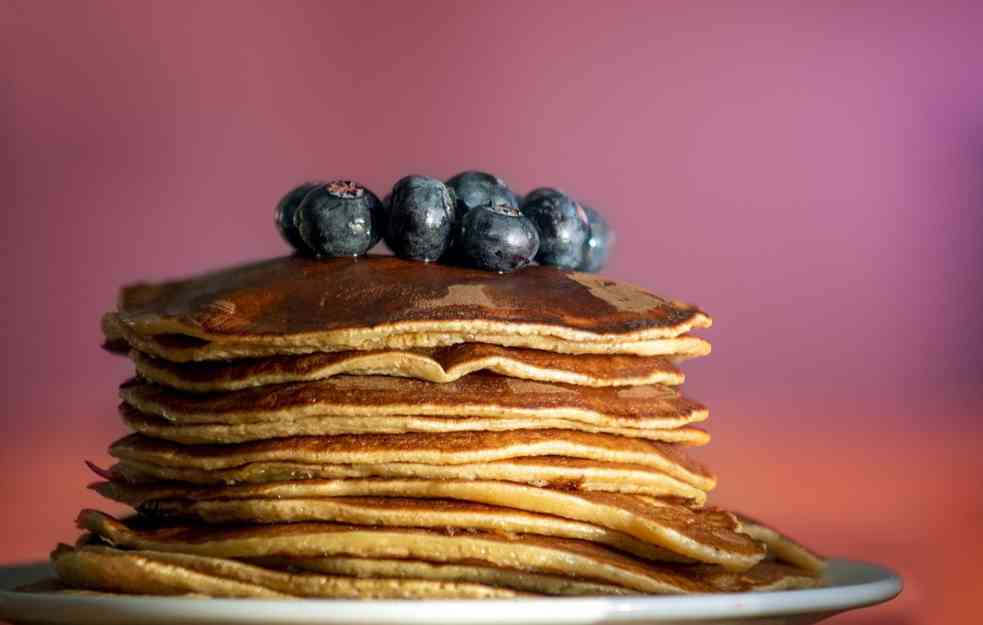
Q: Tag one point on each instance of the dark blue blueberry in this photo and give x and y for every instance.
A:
(285, 212)
(497, 238)
(597, 249)
(421, 216)
(476, 188)
(340, 218)
(562, 225)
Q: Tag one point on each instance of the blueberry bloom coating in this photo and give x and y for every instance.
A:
(477, 188)
(421, 217)
(597, 249)
(340, 218)
(285, 213)
(562, 225)
(497, 238)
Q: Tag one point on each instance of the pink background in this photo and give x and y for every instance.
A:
(811, 176)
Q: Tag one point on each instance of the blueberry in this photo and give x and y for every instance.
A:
(421, 215)
(340, 218)
(562, 225)
(286, 210)
(599, 243)
(476, 188)
(497, 237)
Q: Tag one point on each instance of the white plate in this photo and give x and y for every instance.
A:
(849, 585)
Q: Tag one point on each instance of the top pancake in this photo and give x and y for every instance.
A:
(294, 304)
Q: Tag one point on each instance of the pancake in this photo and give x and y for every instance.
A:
(439, 365)
(431, 449)
(527, 553)
(158, 573)
(781, 547)
(547, 471)
(196, 433)
(576, 559)
(181, 348)
(371, 568)
(326, 304)
(706, 535)
(476, 395)
(439, 514)
(764, 576)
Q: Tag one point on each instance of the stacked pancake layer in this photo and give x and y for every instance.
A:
(378, 428)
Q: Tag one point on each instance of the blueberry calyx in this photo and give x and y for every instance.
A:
(347, 189)
(497, 237)
(339, 218)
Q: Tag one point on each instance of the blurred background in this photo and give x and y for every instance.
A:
(811, 175)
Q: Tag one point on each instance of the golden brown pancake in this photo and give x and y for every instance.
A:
(706, 535)
(158, 573)
(439, 514)
(524, 552)
(764, 576)
(440, 365)
(322, 305)
(433, 449)
(578, 560)
(782, 547)
(182, 348)
(372, 568)
(476, 395)
(196, 433)
(546, 471)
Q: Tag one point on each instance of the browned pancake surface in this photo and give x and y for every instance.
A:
(442, 365)
(477, 394)
(544, 471)
(294, 296)
(608, 367)
(450, 448)
(566, 556)
(207, 433)
(169, 501)
(112, 570)
(707, 535)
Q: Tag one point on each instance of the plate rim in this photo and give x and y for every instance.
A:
(878, 584)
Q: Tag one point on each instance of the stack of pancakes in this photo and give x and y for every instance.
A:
(383, 428)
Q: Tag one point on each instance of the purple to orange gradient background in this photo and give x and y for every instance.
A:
(812, 176)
